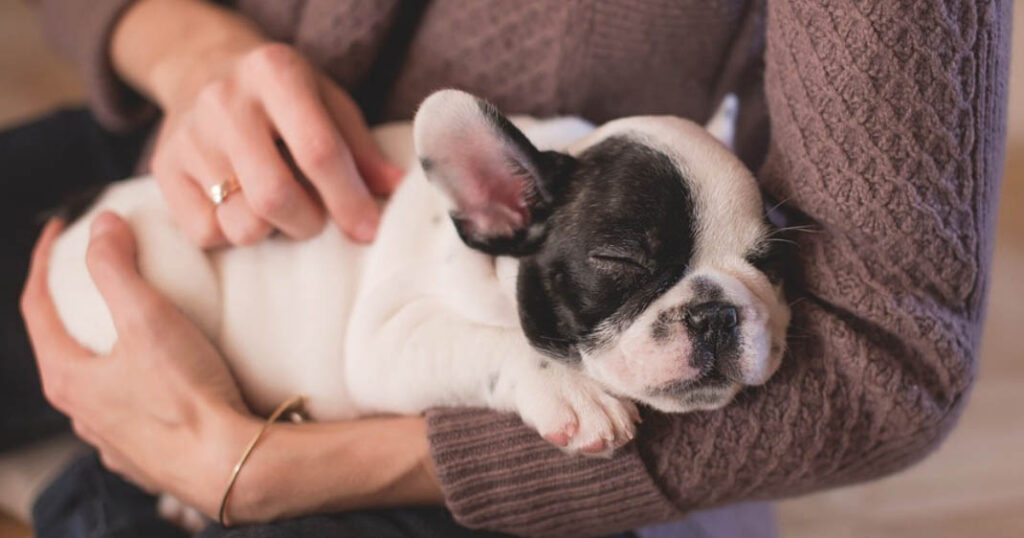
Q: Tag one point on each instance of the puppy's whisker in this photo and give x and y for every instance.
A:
(779, 204)
(805, 228)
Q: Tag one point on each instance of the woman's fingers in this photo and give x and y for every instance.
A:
(293, 104)
(192, 209)
(269, 190)
(229, 132)
(54, 348)
(111, 258)
(207, 166)
(50, 339)
(380, 175)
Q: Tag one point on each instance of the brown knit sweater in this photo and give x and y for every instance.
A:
(887, 128)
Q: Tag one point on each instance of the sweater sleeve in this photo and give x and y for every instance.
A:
(887, 123)
(81, 31)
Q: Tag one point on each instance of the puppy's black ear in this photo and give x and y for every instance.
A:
(500, 185)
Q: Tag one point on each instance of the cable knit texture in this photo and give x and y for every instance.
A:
(886, 124)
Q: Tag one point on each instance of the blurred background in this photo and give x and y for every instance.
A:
(974, 485)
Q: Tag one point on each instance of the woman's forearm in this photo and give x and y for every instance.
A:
(166, 49)
(329, 467)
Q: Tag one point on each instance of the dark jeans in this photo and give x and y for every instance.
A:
(88, 501)
(42, 163)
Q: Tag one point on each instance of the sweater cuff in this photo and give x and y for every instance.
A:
(82, 31)
(498, 474)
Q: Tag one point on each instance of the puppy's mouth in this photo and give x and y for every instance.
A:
(710, 391)
(712, 380)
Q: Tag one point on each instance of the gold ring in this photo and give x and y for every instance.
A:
(221, 191)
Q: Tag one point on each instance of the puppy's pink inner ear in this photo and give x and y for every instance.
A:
(493, 202)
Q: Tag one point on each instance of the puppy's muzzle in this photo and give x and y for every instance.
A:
(714, 328)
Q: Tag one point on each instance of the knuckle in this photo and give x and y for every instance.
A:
(191, 137)
(109, 461)
(55, 389)
(80, 430)
(271, 57)
(273, 197)
(217, 94)
(319, 151)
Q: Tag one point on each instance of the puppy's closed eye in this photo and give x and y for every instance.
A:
(618, 259)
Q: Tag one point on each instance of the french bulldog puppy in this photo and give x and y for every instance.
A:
(543, 267)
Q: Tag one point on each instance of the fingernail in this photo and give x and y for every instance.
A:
(366, 230)
(396, 172)
(100, 226)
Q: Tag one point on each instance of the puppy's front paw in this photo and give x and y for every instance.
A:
(575, 413)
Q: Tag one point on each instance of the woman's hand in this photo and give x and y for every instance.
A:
(228, 96)
(163, 409)
(160, 406)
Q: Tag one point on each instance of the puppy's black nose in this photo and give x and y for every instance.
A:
(710, 318)
(714, 329)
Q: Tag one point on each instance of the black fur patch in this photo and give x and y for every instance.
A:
(661, 328)
(705, 290)
(624, 196)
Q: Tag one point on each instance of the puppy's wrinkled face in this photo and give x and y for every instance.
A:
(641, 248)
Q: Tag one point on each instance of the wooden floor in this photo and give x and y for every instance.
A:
(973, 486)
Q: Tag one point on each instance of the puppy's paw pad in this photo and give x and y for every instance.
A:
(594, 447)
(563, 436)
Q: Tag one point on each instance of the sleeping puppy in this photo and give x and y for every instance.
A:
(545, 267)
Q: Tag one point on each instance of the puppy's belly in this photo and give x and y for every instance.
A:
(278, 311)
(286, 309)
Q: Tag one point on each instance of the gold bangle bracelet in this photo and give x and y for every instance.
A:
(292, 403)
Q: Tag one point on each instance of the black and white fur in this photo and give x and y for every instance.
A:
(542, 267)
